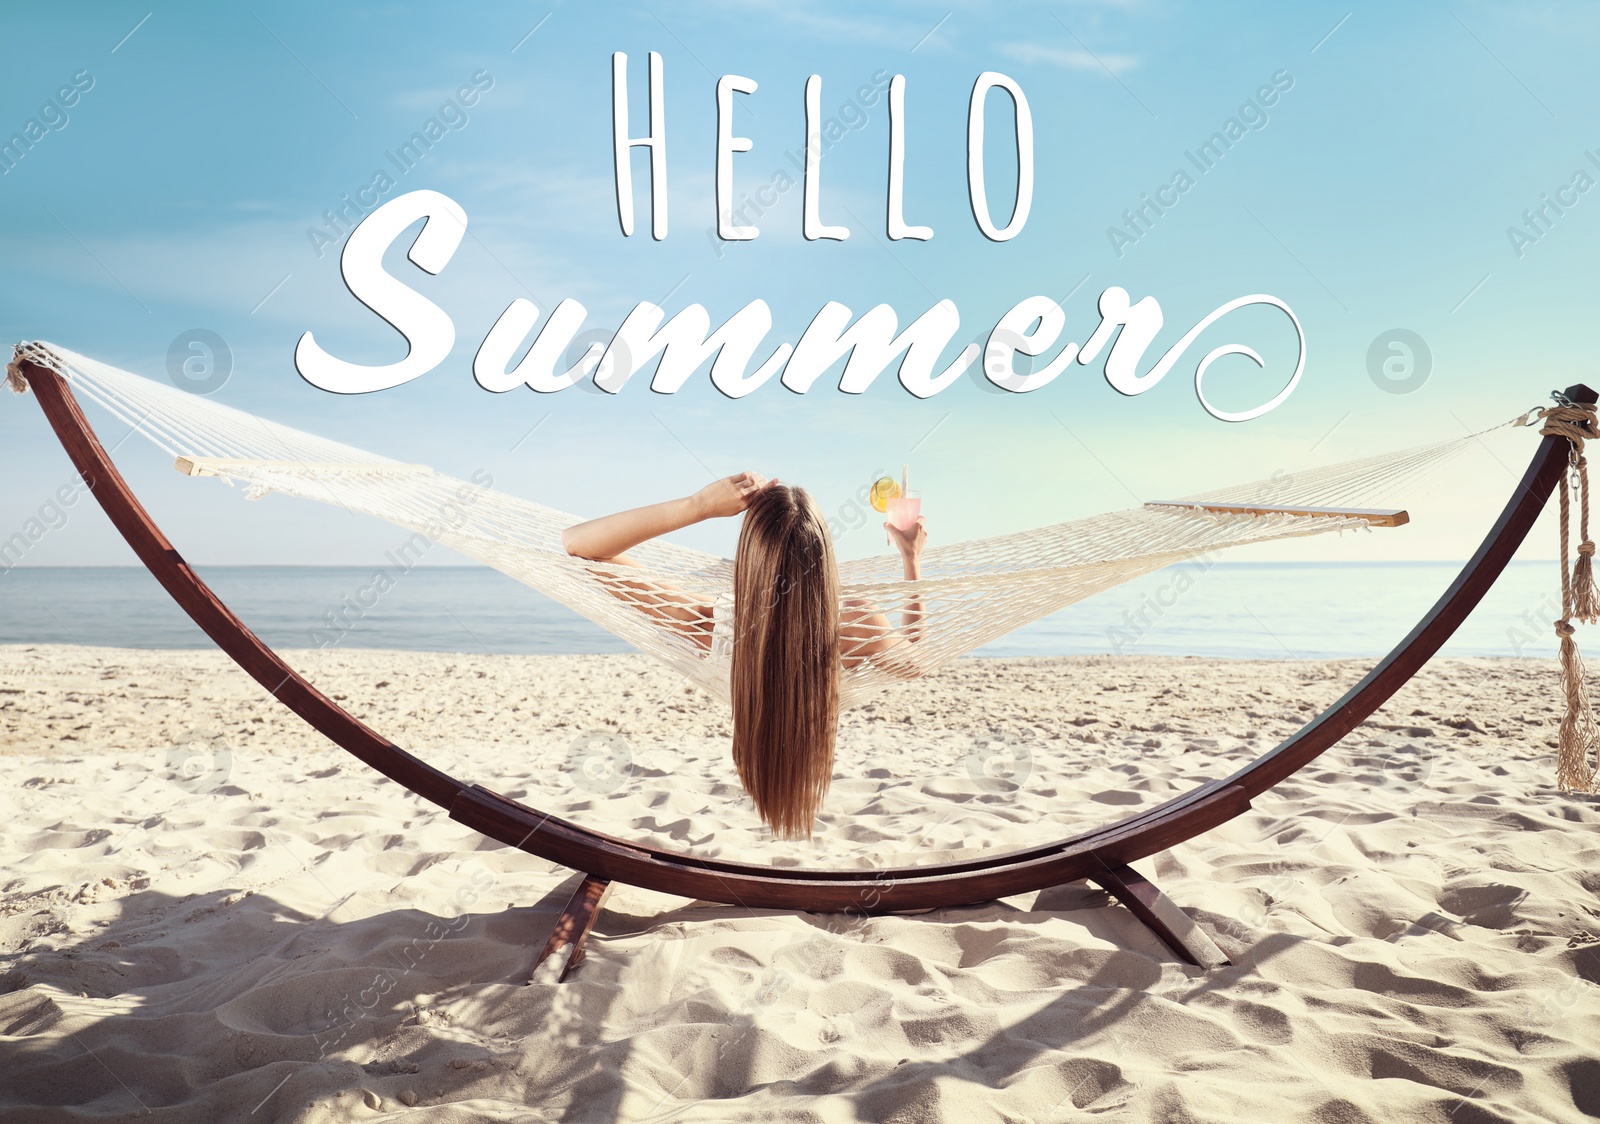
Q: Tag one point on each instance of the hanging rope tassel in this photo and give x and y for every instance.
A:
(1585, 603)
(1578, 739)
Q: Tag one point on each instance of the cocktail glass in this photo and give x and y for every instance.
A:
(904, 511)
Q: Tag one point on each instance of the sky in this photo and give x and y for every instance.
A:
(183, 188)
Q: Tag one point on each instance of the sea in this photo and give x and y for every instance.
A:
(1241, 610)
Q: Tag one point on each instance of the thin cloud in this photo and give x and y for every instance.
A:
(843, 24)
(1068, 58)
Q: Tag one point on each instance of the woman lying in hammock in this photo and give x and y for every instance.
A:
(786, 634)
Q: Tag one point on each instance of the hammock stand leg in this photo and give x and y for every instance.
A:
(1161, 915)
(573, 926)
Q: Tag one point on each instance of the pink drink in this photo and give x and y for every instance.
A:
(904, 512)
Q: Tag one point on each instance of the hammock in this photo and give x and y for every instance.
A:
(971, 592)
(1101, 854)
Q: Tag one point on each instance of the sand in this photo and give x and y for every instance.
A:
(208, 913)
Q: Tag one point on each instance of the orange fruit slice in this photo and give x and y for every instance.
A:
(884, 489)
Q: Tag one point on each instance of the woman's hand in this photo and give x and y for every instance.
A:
(728, 496)
(911, 540)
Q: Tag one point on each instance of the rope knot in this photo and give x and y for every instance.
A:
(1586, 548)
(1564, 628)
(1572, 420)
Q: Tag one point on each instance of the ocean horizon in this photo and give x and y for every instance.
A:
(1240, 610)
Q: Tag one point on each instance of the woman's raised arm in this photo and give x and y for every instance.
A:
(605, 539)
(866, 634)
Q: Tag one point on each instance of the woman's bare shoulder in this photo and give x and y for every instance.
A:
(855, 612)
(863, 631)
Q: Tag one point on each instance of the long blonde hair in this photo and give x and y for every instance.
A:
(785, 674)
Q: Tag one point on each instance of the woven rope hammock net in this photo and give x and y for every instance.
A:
(970, 593)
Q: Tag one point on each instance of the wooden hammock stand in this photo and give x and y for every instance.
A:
(1101, 855)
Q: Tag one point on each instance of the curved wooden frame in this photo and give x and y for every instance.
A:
(1101, 854)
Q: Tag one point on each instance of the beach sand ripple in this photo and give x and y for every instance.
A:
(207, 912)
